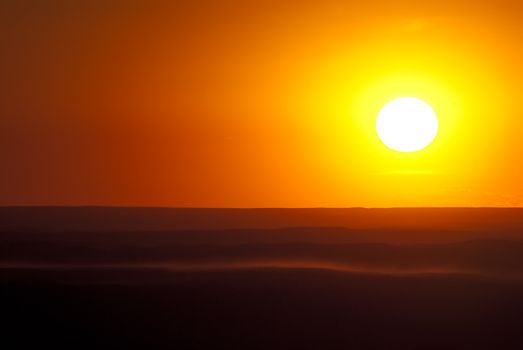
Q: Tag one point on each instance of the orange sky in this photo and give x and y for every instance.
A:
(257, 104)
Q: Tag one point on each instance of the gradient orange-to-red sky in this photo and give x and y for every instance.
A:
(257, 104)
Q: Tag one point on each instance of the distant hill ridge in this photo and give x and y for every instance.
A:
(100, 219)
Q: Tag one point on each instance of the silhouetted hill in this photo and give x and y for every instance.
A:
(172, 251)
(148, 278)
(258, 309)
(114, 219)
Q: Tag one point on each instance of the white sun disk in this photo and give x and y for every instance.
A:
(407, 124)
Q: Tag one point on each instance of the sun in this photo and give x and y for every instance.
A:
(407, 124)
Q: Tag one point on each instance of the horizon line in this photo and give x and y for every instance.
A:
(79, 206)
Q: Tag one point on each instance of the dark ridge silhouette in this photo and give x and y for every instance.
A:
(480, 256)
(154, 278)
(115, 219)
(258, 309)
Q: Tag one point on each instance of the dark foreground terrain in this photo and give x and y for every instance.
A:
(448, 279)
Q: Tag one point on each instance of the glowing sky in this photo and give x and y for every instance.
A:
(257, 104)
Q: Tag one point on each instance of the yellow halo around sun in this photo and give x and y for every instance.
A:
(407, 124)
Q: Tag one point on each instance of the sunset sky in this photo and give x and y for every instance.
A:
(257, 103)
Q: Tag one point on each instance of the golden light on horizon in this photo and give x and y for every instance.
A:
(407, 124)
